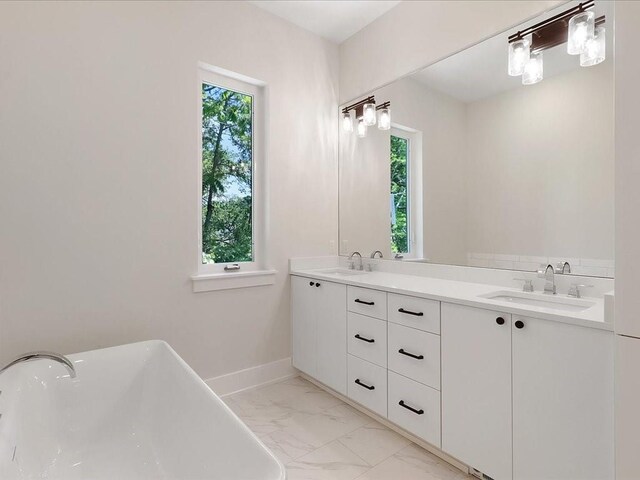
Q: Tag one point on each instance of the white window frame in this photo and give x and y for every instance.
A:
(213, 276)
(414, 184)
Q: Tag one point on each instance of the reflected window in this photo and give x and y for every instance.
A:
(399, 198)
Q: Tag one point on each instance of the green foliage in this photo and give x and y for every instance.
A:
(399, 192)
(226, 175)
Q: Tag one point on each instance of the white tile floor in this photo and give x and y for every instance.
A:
(319, 437)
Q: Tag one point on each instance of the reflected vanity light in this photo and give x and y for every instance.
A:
(369, 114)
(581, 30)
(518, 56)
(596, 49)
(362, 128)
(384, 116)
(533, 70)
(347, 121)
(364, 113)
(578, 27)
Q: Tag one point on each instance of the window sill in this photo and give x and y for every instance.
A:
(208, 282)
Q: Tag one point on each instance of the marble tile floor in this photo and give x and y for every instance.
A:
(319, 437)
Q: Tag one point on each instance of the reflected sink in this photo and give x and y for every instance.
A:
(343, 272)
(554, 302)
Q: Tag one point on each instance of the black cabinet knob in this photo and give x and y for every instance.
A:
(519, 324)
(500, 321)
(311, 284)
(317, 284)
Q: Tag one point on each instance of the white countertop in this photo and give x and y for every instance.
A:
(464, 293)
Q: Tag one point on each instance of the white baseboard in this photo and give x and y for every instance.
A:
(252, 377)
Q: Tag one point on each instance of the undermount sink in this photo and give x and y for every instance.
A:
(343, 272)
(554, 302)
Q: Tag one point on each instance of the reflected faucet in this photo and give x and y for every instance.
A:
(31, 356)
(548, 274)
(564, 268)
(352, 261)
(376, 252)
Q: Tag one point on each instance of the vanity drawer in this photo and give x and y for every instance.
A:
(367, 302)
(367, 338)
(414, 343)
(415, 312)
(419, 412)
(367, 384)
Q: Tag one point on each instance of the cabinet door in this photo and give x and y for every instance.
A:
(303, 315)
(476, 388)
(562, 401)
(331, 317)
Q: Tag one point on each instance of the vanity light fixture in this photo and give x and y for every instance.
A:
(519, 52)
(578, 27)
(362, 128)
(384, 116)
(595, 50)
(533, 69)
(366, 113)
(369, 114)
(581, 30)
(347, 121)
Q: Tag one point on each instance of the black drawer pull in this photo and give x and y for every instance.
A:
(368, 387)
(368, 340)
(357, 300)
(408, 312)
(417, 357)
(402, 404)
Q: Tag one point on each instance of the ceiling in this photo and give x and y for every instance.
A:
(481, 71)
(335, 20)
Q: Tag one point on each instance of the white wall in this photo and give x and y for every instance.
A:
(415, 34)
(541, 169)
(98, 174)
(627, 230)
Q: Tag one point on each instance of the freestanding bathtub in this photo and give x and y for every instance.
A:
(133, 412)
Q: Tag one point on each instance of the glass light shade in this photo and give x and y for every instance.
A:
(518, 56)
(369, 114)
(384, 118)
(347, 122)
(581, 30)
(362, 128)
(596, 49)
(533, 69)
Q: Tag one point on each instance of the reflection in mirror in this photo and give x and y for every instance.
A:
(481, 170)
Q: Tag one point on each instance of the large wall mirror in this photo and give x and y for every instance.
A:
(478, 169)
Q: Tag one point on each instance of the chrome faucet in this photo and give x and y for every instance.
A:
(564, 267)
(548, 274)
(31, 356)
(352, 261)
(373, 254)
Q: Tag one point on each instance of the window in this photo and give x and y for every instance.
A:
(230, 217)
(405, 202)
(227, 175)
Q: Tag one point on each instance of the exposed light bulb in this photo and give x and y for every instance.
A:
(596, 49)
(519, 52)
(347, 122)
(369, 114)
(581, 31)
(533, 70)
(362, 128)
(384, 118)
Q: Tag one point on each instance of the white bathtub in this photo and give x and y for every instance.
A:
(133, 412)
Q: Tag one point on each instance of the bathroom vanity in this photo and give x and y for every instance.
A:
(513, 390)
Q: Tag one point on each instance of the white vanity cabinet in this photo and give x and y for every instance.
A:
(562, 401)
(526, 399)
(319, 321)
(476, 388)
